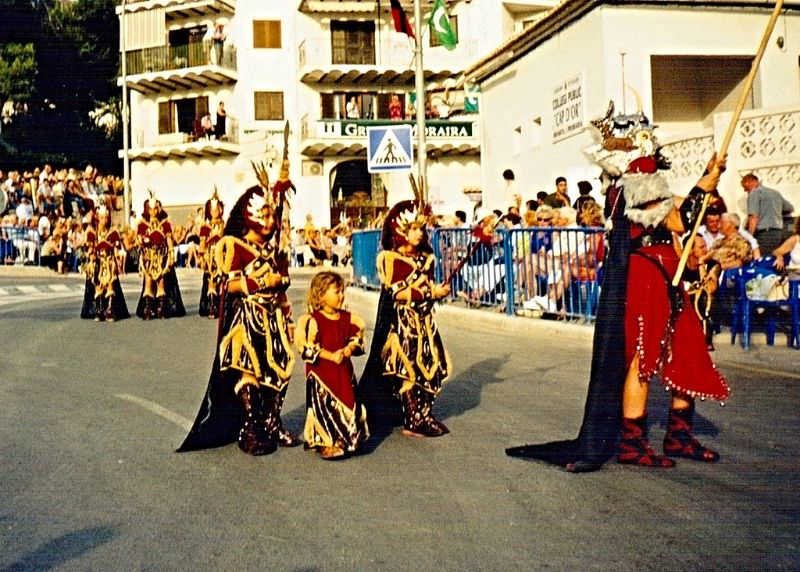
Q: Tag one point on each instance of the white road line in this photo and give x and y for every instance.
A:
(28, 289)
(177, 419)
(59, 287)
(774, 372)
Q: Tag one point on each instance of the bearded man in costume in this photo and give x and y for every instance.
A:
(103, 299)
(210, 233)
(254, 358)
(161, 295)
(645, 327)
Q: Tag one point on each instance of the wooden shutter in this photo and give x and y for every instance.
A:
(328, 109)
(268, 105)
(166, 117)
(267, 34)
(383, 105)
(201, 106)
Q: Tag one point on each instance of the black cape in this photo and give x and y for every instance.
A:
(205, 303)
(220, 416)
(119, 308)
(174, 303)
(602, 418)
(376, 391)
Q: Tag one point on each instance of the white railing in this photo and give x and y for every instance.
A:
(394, 52)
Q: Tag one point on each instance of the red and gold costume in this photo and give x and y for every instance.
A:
(257, 341)
(103, 298)
(210, 234)
(334, 417)
(155, 238)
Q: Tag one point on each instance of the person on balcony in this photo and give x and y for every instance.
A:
(352, 110)
(222, 118)
(206, 125)
(395, 108)
(217, 44)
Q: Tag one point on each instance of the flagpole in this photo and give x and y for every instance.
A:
(422, 156)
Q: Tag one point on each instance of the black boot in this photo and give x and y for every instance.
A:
(147, 311)
(273, 403)
(634, 448)
(99, 312)
(418, 420)
(253, 440)
(161, 307)
(681, 442)
(109, 309)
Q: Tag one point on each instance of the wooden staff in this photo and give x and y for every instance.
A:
(726, 141)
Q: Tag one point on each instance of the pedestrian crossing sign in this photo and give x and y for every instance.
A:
(389, 148)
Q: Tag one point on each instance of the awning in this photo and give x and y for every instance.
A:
(178, 9)
(372, 77)
(188, 78)
(195, 149)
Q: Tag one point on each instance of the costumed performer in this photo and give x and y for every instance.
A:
(645, 327)
(210, 232)
(103, 299)
(327, 337)
(161, 295)
(254, 358)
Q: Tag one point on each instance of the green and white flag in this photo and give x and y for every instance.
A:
(439, 23)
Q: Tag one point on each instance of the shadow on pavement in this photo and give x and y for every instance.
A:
(658, 411)
(463, 392)
(63, 549)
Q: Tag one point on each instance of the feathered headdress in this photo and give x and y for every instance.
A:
(276, 195)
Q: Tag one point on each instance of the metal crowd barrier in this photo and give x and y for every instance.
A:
(366, 246)
(521, 271)
(19, 243)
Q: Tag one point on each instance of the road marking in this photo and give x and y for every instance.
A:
(775, 372)
(59, 287)
(177, 419)
(3, 292)
(28, 289)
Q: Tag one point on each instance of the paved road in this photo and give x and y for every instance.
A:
(92, 412)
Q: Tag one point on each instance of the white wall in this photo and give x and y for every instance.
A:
(592, 45)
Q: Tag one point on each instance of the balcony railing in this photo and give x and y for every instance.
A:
(164, 58)
(142, 138)
(390, 53)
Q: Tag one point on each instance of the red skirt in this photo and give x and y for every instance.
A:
(676, 353)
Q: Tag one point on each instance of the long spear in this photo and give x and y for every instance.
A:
(726, 141)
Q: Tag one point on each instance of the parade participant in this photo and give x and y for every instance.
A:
(254, 358)
(210, 232)
(103, 299)
(161, 295)
(414, 358)
(645, 326)
(327, 337)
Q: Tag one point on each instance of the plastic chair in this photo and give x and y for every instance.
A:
(748, 306)
(794, 303)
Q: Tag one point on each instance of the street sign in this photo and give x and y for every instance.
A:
(389, 149)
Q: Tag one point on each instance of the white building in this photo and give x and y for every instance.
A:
(300, 61)
(687, 62)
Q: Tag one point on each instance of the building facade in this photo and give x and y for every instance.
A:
(682, 63)
(329, 68)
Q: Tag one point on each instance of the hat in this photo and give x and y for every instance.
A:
(399, 221)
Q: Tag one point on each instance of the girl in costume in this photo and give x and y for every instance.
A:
(161, 295)
(336, 423)
(210, 233)
(103, 299)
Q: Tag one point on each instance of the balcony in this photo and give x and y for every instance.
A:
(391, 64)
(334, 137)
(184, 67)
(180, 9)
(146, 146)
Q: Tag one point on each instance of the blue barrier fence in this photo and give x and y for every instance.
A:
(554, 270)
(366, 246)
(19, 244)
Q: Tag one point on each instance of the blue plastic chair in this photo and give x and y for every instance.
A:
(794, 303)
(746, 306)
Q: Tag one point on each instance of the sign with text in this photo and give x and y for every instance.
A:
(434, 129)
(568, 105)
